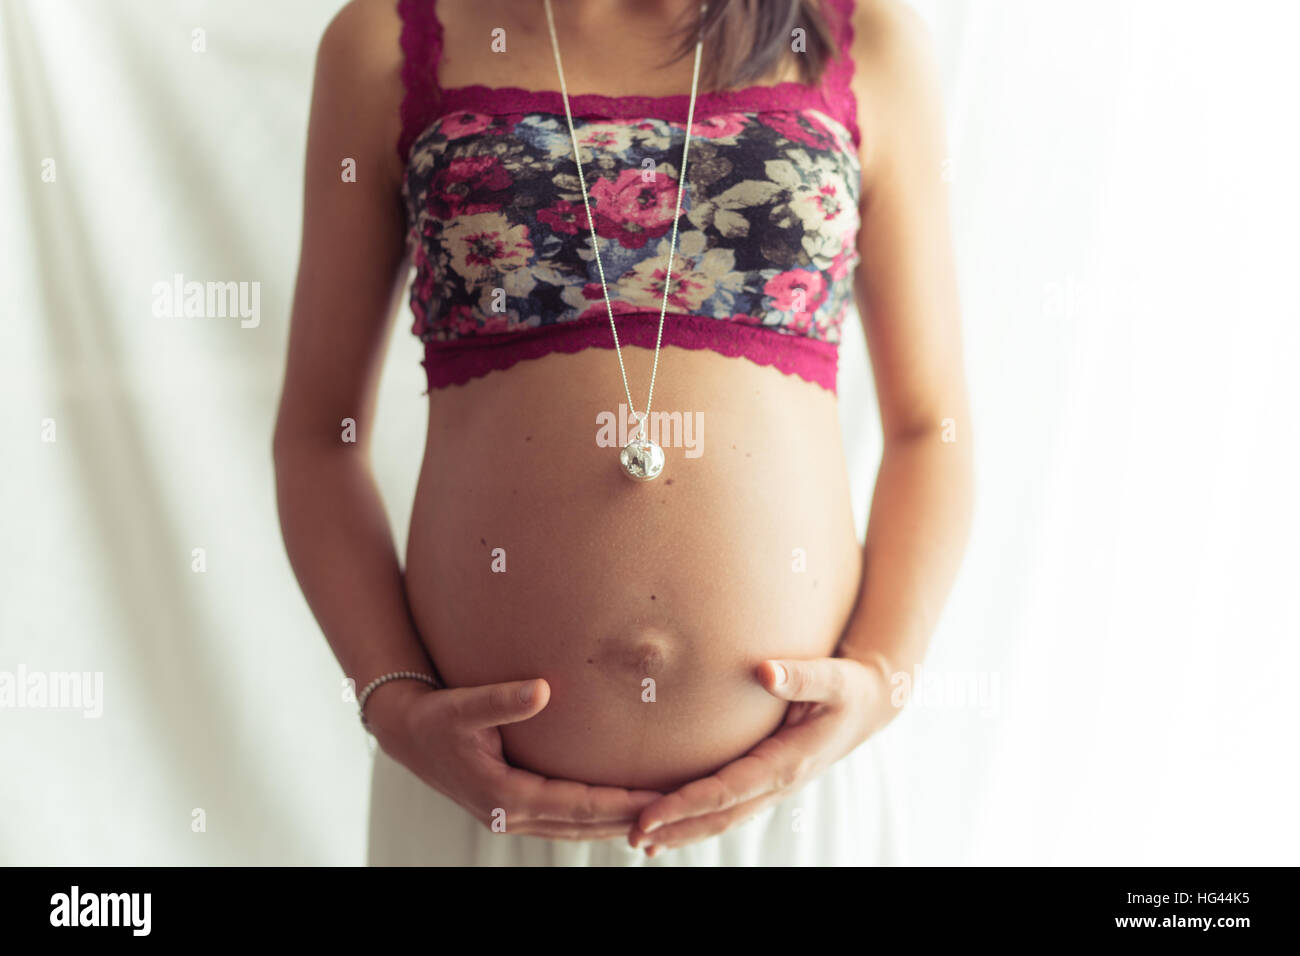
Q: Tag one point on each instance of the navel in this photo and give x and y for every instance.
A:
(650, 659)
(642, 653)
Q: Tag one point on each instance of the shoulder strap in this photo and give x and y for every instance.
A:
(838, 79)
(421, 51)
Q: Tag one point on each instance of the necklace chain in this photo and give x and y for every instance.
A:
(642, 419)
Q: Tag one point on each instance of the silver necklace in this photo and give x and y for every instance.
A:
(641, 458)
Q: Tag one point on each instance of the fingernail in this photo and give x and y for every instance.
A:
(652, 827)
(527, 692)
(651, 850)
(778, 674)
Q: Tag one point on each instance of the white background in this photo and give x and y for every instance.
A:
(1125, 196)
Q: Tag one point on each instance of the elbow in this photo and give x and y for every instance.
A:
(289, 444)
(952, 428)
(293, 464)
(282, 440)
(297, 445)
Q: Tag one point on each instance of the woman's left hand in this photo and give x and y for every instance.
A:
(836, 704)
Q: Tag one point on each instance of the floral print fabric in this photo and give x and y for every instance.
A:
(501, 241)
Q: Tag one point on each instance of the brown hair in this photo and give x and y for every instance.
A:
(745, 41)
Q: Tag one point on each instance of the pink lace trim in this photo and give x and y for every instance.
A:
(837, 83)
(421, 53)
(458, 361)
(423, 101)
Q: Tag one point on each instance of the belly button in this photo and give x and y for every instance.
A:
(643, 653)
(650, 660)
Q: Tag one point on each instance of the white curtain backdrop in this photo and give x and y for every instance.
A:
(1113, 680)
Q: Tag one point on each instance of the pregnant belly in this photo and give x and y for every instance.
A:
(645, 606)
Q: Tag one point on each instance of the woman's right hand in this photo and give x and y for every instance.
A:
(449, 739)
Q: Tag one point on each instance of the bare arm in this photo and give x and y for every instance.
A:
(921, 509)
(907, 293)
(349, 276)
(335, 529)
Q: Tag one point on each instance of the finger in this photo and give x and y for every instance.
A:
(531, 797)
(736, 783)
(777, 763)
(491, 705)
(675, 835)
(818, 681)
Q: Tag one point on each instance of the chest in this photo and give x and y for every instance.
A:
(769, 212)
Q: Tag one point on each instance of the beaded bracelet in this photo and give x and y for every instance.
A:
(384, 679)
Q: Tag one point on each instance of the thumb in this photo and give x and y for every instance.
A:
(490, 705)
(817, 681)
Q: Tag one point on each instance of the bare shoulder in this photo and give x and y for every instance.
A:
(364, 33)
(896, 80)
(889, 27)
(359, 78)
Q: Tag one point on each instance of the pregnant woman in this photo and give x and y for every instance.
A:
(635, 621)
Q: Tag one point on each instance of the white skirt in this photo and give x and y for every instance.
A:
(842, 818)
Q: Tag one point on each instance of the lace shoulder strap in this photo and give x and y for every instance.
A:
(836, 83)
(421, 51)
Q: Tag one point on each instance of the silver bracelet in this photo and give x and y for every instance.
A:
(384, 679)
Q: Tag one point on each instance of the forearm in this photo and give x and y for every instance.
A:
(916, 535)
(341, 548)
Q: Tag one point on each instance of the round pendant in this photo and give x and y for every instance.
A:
(641, 459)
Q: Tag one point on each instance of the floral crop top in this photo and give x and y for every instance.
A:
(501, 246)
